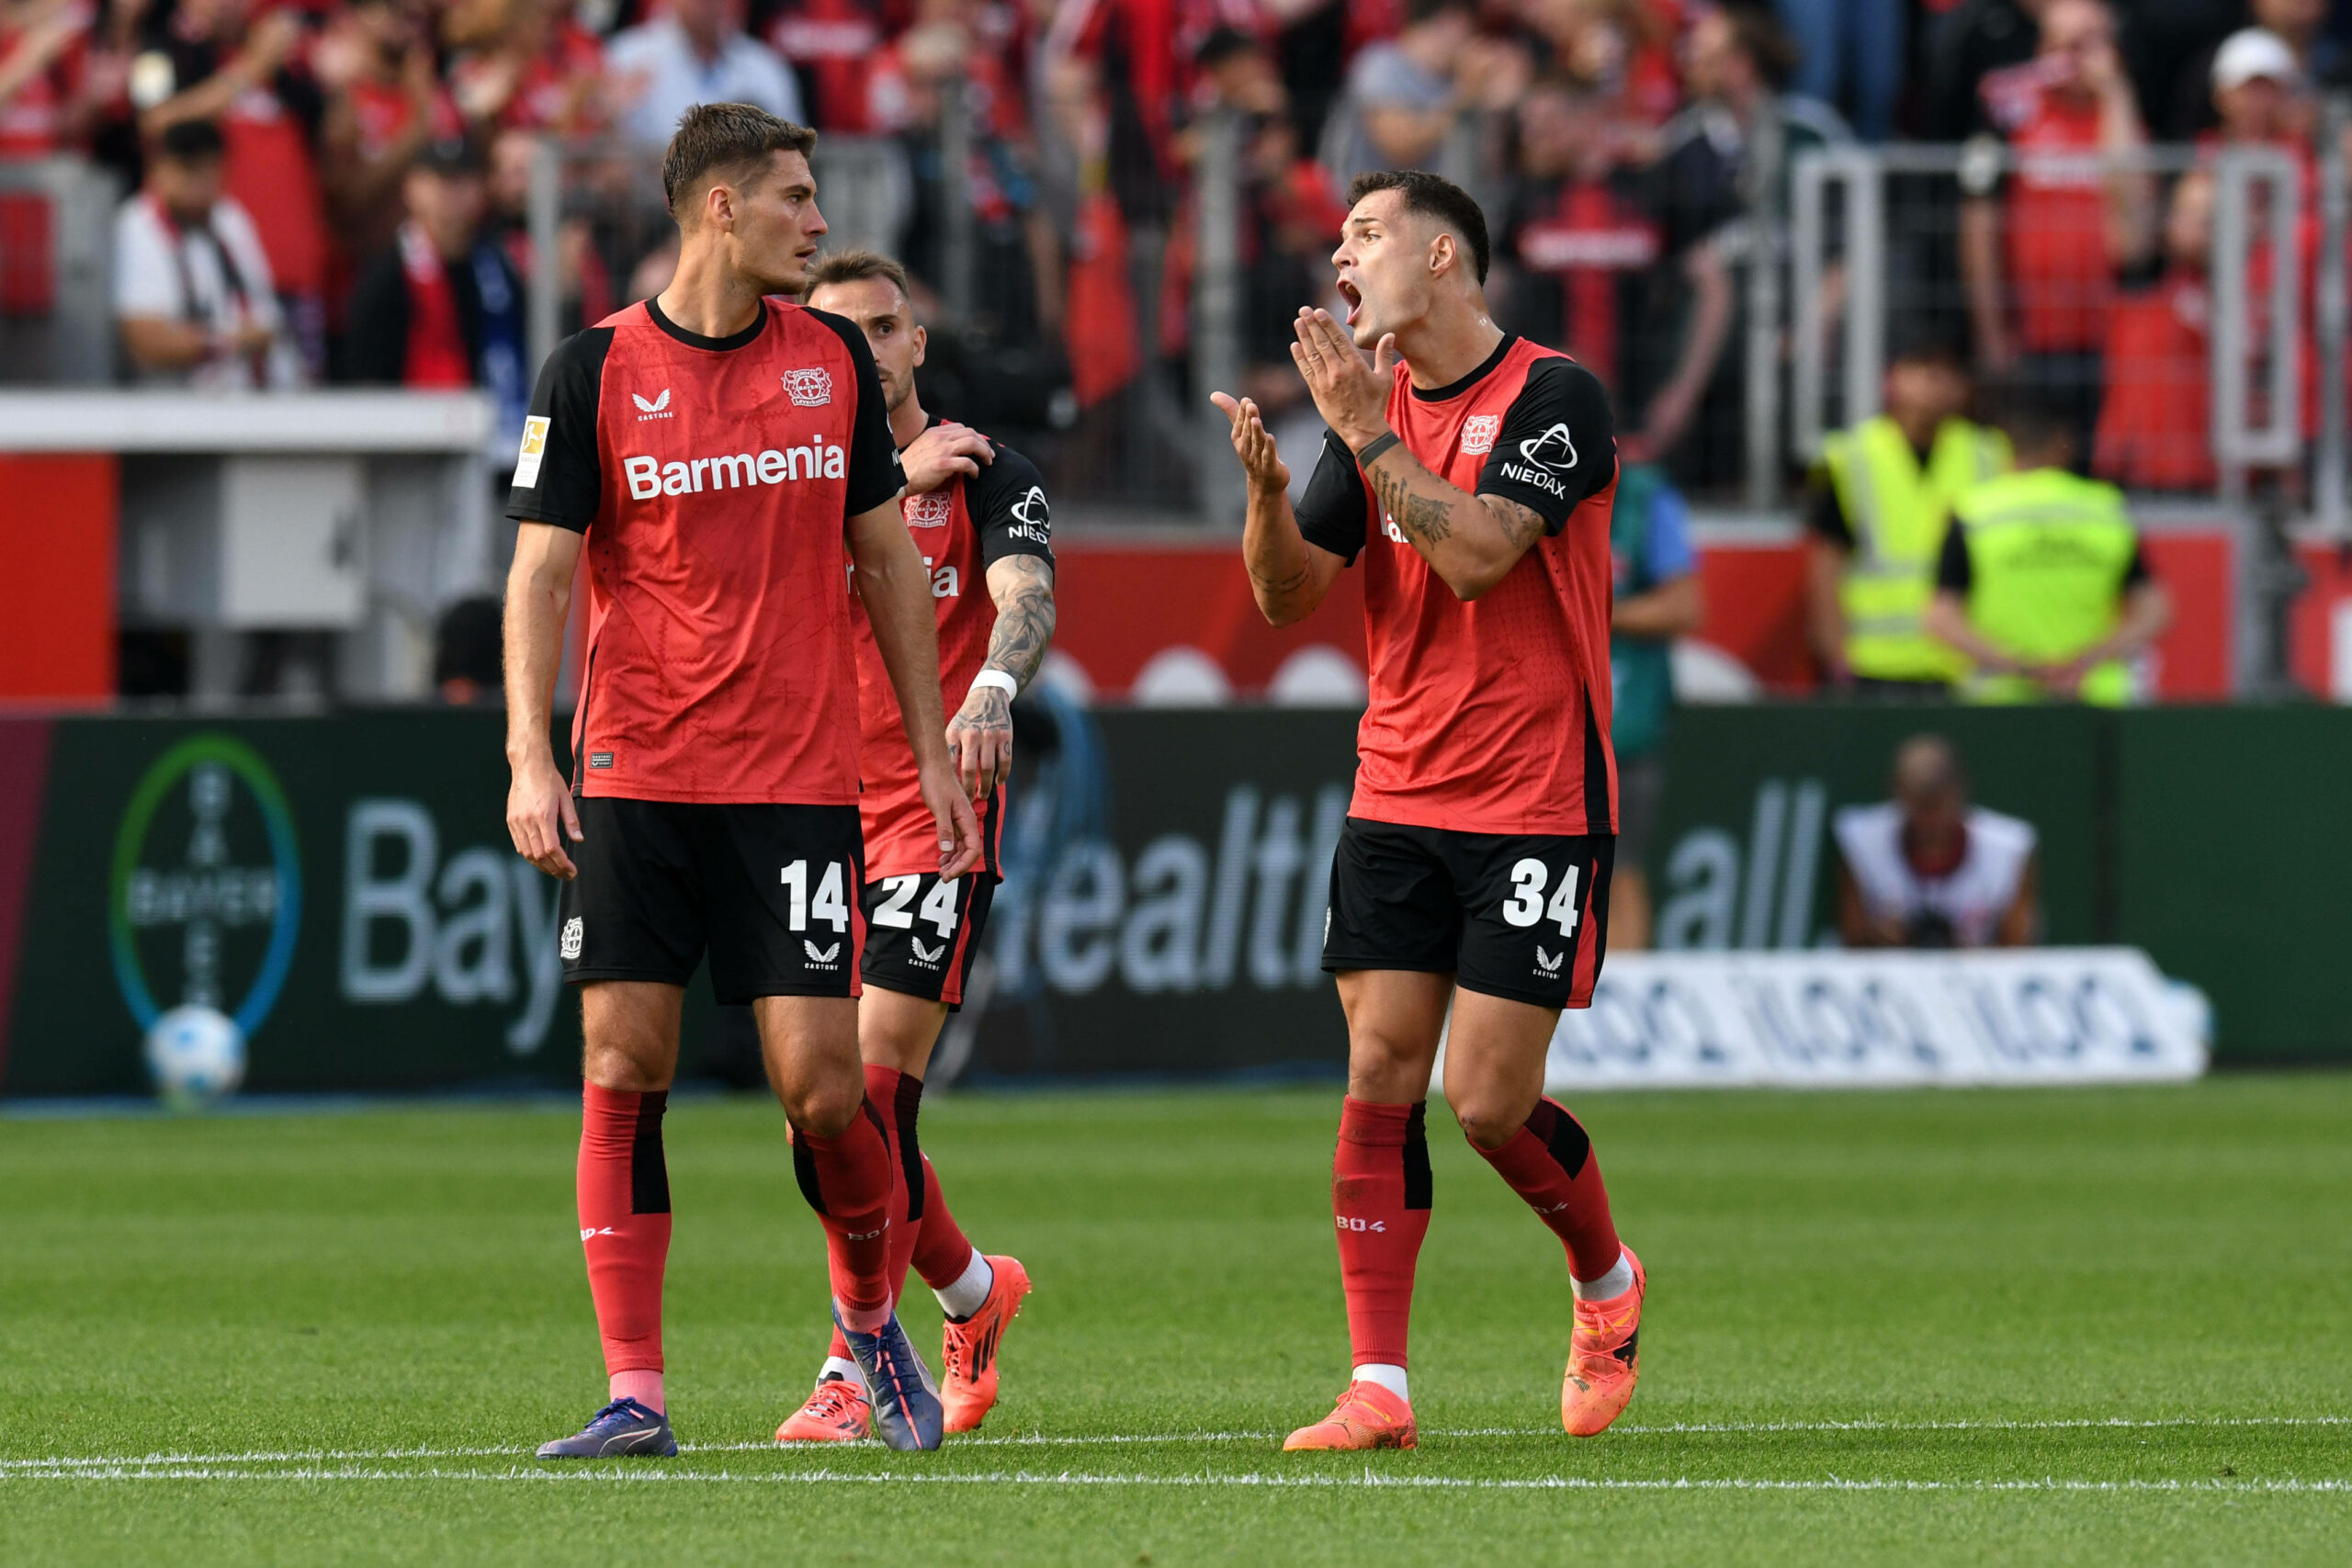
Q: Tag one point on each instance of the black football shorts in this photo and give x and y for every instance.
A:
(1522, 915)
(921, 934)
(771, 891)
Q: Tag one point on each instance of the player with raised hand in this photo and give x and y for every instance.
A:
(724, 459)
(977, 512)
(1473, 472)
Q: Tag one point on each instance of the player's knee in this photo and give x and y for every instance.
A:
(1385, 1069)
(1489, 1117)
(625, 1066)
(826, 1108)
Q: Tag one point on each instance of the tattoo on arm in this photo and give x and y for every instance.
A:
(1025, 617)
(1522, 526)
(1286, 586)
(1420, 516)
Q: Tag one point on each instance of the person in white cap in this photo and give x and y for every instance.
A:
(2258, 89)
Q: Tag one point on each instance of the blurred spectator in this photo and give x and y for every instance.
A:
(387, 107)
(192, 287)
(442, 306)
(1882, 502)
(46, 104)
(2042, 582)
(2155, 426)
(695, 51)
(526, 65)
(1291, 217)
(1926, 869)
(1972, 42)
(831, 45)
(468, 653)
(582, 278)
(1657, 600)
(1855, 43)
(216, 60)
(1402, 96)
(2040, 246)
(2314, 58)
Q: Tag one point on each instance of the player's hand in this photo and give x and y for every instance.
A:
(959, 828)
(979, 741)
(944, 452)
(1351, 394)
(540, 813)
(1252, 443)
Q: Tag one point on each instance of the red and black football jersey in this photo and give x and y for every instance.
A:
(1490, 717)
(962, 528)
(713, 477)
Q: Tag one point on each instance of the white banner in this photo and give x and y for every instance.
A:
(1829, 1020)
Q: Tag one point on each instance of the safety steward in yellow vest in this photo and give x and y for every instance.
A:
(2043, 584)
(1883, 498)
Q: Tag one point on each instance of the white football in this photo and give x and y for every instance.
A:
(196, 1055)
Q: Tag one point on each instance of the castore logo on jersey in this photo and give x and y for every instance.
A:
(657, 409)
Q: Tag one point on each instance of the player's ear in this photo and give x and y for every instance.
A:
(719, 204)
(920, 338)
(1441, 253)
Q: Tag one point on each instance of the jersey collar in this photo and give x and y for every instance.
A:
(1454, 389)
(695, 340)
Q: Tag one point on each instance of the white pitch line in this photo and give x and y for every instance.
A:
(1369, 1479)
(1035, 1439)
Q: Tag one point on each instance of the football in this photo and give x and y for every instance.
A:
(196, 1055)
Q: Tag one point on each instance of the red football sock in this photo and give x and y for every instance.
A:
(1550, 1163)
(890, 1090)
(624, 1191)
(942, 1250)
(848, 1179)
(1380, 1197)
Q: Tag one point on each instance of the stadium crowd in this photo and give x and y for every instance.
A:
(335, 190)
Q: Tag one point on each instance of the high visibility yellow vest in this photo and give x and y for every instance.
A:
(1898, 513)
(2047, 552)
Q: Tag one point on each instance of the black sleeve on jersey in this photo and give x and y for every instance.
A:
(1331, 513)
(570, 480)
(1007, 501)
(1825, 516)
(1954, 574)
(874, 473)
(1557, 446)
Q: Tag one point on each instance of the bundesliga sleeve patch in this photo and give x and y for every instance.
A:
(535, 447)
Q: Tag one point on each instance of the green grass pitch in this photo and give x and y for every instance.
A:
(2046, 1327)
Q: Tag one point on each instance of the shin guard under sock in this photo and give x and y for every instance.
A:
(1380, 1201)
(848, 1179)
(623, 1197)
(1550, 1163)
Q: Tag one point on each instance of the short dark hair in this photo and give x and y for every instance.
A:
(2036, 422)
(1224, 43)
(1766, 44)
(189, 140)
(1419, 11)
(856, 266)
(1435, 197)
(725, 136)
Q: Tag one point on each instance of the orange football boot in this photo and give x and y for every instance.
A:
(837, 1412)
(968, 1349)
(1603, 1360)
(1367, 1417)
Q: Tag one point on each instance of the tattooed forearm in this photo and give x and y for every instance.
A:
(1522, 526)
(1023, 587)
(1420, 516)
(1291, 583)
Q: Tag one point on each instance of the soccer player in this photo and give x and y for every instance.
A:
(977, 512)
(722, 459)
(1473, 472)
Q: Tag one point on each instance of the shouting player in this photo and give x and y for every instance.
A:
(977, 512)
(1473, 472)
(722, 458)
